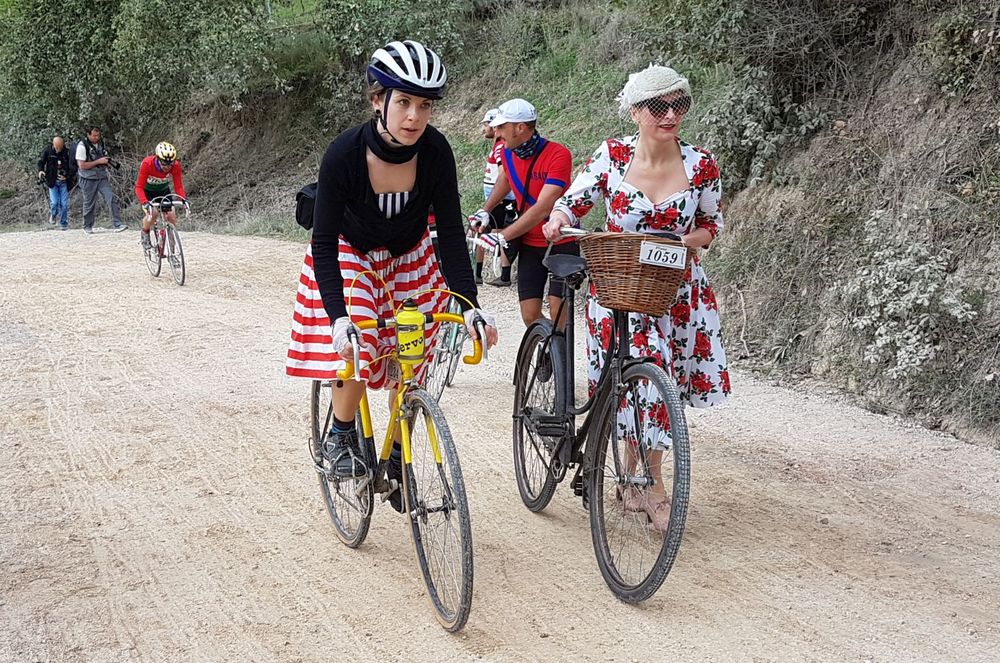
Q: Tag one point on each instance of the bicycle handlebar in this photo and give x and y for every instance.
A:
(478, 346)
(172, 200)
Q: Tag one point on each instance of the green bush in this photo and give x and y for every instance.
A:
(964, 43)
(901, 301)
(165, 51)
(361, 26)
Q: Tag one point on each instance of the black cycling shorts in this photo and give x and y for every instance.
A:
(502, 215)
(532, 274)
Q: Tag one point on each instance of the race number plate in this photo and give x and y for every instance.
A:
(662, 255)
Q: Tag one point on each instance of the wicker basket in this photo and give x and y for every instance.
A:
(621, 281)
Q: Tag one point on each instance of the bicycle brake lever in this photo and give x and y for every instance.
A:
(480, 326)
(353, 335)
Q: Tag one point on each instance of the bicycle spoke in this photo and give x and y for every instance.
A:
(640, 486)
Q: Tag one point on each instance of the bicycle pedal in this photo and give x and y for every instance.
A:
(392, 488)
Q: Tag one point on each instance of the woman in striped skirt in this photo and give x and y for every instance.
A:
(371, 249)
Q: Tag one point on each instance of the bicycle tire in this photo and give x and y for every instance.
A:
(438, 362)
(175, 254)
(154, 261)
(456, 341)
(351, 519)
(424, 479)
(631, 590)
(533, 453)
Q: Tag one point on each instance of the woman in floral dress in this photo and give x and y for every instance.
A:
(653, 182)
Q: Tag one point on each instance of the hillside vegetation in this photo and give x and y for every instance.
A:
(859, 143)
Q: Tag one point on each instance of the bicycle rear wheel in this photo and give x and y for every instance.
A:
(152, 253)
(349, 501)
(175, 254)
(456, 341)
(639, 483)
(538, 401)
(438, 511)
(439, 362)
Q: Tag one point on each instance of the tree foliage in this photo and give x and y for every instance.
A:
(69, 62)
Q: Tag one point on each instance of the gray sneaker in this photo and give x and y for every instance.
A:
(52, 220)
(342, 453)
(499, 283)
(118, 229)
(89, 230)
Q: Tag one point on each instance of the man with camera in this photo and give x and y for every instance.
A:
(92, 157)
(55, 170)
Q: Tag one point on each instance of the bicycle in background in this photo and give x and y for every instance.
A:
(165, 241)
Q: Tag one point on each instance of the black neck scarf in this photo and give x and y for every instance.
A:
(528, 148)
(381, 149)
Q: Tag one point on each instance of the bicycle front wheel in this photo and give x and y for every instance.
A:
(349, 501)
(175, 254)
(152, 253)
(639, 483)
(538, 426)
(438, 511)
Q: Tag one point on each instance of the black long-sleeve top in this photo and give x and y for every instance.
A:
(346, 205)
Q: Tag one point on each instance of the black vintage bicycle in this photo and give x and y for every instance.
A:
(630, 455)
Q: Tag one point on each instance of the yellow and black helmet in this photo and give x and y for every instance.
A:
(166, 152)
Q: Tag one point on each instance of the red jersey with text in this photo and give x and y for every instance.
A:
(552, 164)
(153, 182)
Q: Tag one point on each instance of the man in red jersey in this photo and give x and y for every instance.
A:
(500, 216)
(154, 173)
(537, 171)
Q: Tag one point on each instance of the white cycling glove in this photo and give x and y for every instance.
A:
(491, 241)
(470, 318)
(480, 218)
(341, 339)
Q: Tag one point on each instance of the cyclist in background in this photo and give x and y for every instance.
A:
(537, 171)
(503, 214)
(155, 174)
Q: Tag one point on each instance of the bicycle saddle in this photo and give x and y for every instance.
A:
(564, 266)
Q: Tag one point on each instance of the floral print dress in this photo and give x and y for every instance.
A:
(687, 340)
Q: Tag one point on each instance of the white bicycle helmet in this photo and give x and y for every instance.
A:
(410, 67)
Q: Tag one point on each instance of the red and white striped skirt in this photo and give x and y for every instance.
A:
(411, 275)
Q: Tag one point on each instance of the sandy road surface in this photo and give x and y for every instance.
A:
(156, 502)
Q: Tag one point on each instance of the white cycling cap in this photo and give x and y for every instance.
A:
(490, 115)
(515, 110)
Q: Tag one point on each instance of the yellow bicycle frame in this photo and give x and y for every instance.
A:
(396, 415)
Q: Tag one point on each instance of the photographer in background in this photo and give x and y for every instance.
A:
(55, 169)
(92, 157)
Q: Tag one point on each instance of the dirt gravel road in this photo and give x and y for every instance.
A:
(157, 503)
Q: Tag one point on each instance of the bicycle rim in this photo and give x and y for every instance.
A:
(349, 501)
(175, 254)
(536, 393)
(152, 254)
(439, 513)
(636, 531)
